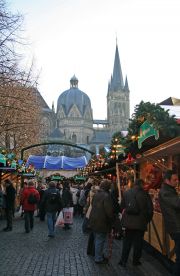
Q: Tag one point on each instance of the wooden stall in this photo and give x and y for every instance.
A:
(152, 165)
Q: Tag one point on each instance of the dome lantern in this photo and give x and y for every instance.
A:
(74, 82)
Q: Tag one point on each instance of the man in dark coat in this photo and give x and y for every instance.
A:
(135, 220)
(51, 203)
(170, 207)
(10, 194)
(101, 218)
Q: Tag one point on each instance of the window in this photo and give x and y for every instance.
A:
(74, 138)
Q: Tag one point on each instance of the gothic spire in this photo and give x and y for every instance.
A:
(117, 78)
(126, 86)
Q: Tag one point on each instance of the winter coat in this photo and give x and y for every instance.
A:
(67, 200)
(170, 207)
(47, 204)
(74, 196)
(88, 207)
(114, 196)
(10, 196)
(2, 200)
(26, 206)
(139, 220)
(101, 216)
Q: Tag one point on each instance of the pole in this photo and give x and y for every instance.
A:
(118, 181)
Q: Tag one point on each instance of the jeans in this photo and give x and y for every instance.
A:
(51, 219)
(100, 239)
(29, 220)
(176, 238)
(135, 238)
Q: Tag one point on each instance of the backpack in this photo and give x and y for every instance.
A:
(53, 198)
(82, 199)
(32, 199)
(132, 207)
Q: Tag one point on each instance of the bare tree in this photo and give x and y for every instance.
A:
(20, 116)
(20, 108)
(10, 30)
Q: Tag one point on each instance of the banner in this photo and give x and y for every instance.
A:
(146, 130)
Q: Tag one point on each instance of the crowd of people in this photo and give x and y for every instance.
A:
(103, 216)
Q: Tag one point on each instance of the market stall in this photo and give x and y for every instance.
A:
(152, 165)
(62, 165)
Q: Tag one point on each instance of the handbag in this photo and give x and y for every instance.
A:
(60, 220)
(117, 225)
(68, 215)
(85, 225)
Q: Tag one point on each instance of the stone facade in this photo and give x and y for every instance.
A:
(73, 119)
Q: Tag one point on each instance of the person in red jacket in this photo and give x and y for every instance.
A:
(29, 207)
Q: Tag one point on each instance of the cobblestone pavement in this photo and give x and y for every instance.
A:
(35, 254)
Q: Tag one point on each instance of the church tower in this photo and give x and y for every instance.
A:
(118, 107)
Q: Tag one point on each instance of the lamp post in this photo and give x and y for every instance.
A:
(116, 150)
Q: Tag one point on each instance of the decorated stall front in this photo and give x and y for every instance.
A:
(152, 165)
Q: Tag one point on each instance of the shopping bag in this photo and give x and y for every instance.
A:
(19, 209)
(68, 215)
(60, 220)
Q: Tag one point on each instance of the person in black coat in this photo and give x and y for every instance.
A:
(101, 219)
(137, 212)
(169, 201)
(51, 203)
(10, 194)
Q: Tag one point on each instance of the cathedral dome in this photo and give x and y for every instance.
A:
(74, 96)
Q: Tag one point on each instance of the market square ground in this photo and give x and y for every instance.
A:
(23, 254)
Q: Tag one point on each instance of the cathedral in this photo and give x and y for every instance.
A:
(73, 119)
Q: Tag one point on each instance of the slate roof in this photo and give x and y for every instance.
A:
(56, 134)
(101, 137)
(74, 96)
(171, 101)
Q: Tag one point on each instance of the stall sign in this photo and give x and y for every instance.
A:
(146, 130)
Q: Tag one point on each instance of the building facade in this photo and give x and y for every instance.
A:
(73, 120)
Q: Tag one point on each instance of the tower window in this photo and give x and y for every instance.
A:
(74, 138)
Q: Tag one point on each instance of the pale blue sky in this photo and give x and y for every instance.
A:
(79, 37)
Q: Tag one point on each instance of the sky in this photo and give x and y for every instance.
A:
(67, 37)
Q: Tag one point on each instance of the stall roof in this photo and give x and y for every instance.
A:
(56, 163)
(171, 147)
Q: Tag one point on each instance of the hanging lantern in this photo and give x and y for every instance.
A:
(129, 159)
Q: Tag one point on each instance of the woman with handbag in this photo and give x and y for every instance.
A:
(67, 201)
